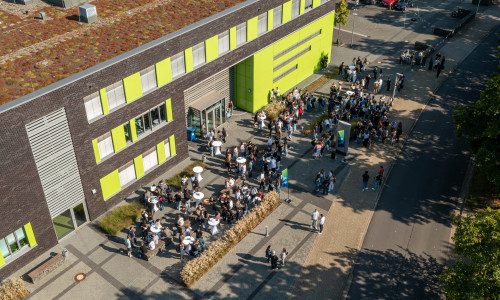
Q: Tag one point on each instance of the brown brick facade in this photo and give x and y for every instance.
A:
(22, 199)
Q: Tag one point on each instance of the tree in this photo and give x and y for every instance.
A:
(341, 15)
(476, 273)
(480, 124)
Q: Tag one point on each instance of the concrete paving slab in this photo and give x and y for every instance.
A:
(128, 272)
(93, 287)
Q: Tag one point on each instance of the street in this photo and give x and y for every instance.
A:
(408, 240)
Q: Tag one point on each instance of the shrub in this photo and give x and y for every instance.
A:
(120, 218)
(309, 128)
(273, 110)
(13, 289)
(197, 267)
(175, 181)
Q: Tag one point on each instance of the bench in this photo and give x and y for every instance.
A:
(236, 185)
(48, 266)
(162, 243)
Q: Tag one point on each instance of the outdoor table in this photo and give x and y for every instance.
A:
(197, 170)
(188, 240)
(241, 160)
(349, 93)
(154, 200)
(217, 145)
(198, 196)
(213, 222)
(155, 229)
(352, 67)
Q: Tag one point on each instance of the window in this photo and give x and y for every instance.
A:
(178, 66)
(150, 120)
(262, 24)
(241, 33)
(198, 54)
(167, 148)
(93, 106)
(308, 5)
(224, 42)
(126, 174)
(149, 160)
(148, 79)
(115, 95)
(295, 8)
(128, 132)
(105, 144)
(277, 14)
(13, 243)
(323, 1)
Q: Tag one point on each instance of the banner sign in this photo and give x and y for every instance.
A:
(341, 139)
(284, 178)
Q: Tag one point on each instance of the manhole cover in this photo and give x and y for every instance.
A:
(80, 277)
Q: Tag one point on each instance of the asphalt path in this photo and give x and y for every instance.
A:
(407, 242)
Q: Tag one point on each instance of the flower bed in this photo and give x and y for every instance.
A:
(20, 76)
(176, 182)
(13, 289)
(197, 267)
(120, 218)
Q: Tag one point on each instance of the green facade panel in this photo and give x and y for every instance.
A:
(139, 166)
(287, 11)
(168, 105)
(110, 184)
(104, 101)
(254, 76)
(163, 72)
(160, 152)
(252, 29)
(171, 141)
(132, 86)
(270, 20)
(188, 59)
(211, 48)
(133, 130)
(316, 3)
(118, 136)
(96, 151)
(302, 6)
(30, 234)
(232, 38)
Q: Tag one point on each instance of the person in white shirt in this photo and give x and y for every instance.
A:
(321, 223)
(315, 216)
(151, 245)
(277, 92)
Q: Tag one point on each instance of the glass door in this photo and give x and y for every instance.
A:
(69, 220)
(210, 120)
(218, 116)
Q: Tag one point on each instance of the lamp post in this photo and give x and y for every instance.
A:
(477, 8)
(353, 24)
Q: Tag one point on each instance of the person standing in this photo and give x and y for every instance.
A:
(269, 252)
(131, 234)
(283, 255)
(388, 83)
(378, 180)
(321, 223)
(128, 244)
(438, 71)
(274, 260)
(315, 216)
(366, 177)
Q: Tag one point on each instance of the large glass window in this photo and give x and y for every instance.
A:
(115, 95)
(148, 79)
(241, 33)
(105, 145)
(63, 224)
(262, 24)
(308, 5)
(295, 8)
(178, 65)
(126, 173)
(198, 54)
(128, 133)
(149, 160)
(277, 15)
(150, 119)
(13, 242)
(223, 42)
(93, 106)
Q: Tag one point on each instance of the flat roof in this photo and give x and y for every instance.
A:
(36, 53)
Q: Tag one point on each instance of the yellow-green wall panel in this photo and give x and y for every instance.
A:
(163, 72)
(104, 101)
(188, 59)
(302, 6)
(132, 86)
(139, 166)
(211, 48)
(168, 105)
(118, 136)
(270, 20)
(287, 11)
(110, 184)
(316, 3)
(2, 261)
(232, 38)
(160, 152)
(96, 151)
(30, 235)
(133, 130)
(252, 28)
(171, 141)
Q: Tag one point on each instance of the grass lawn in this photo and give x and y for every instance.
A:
(482, 194)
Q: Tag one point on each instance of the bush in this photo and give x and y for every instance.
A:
(273, 110)
(120, 218)
(309, 128)
(13, 289)
(197, 267)
(176, 182)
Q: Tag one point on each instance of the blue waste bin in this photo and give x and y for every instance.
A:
(191, 132)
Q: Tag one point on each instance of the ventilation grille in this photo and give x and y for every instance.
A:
(52, 148)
